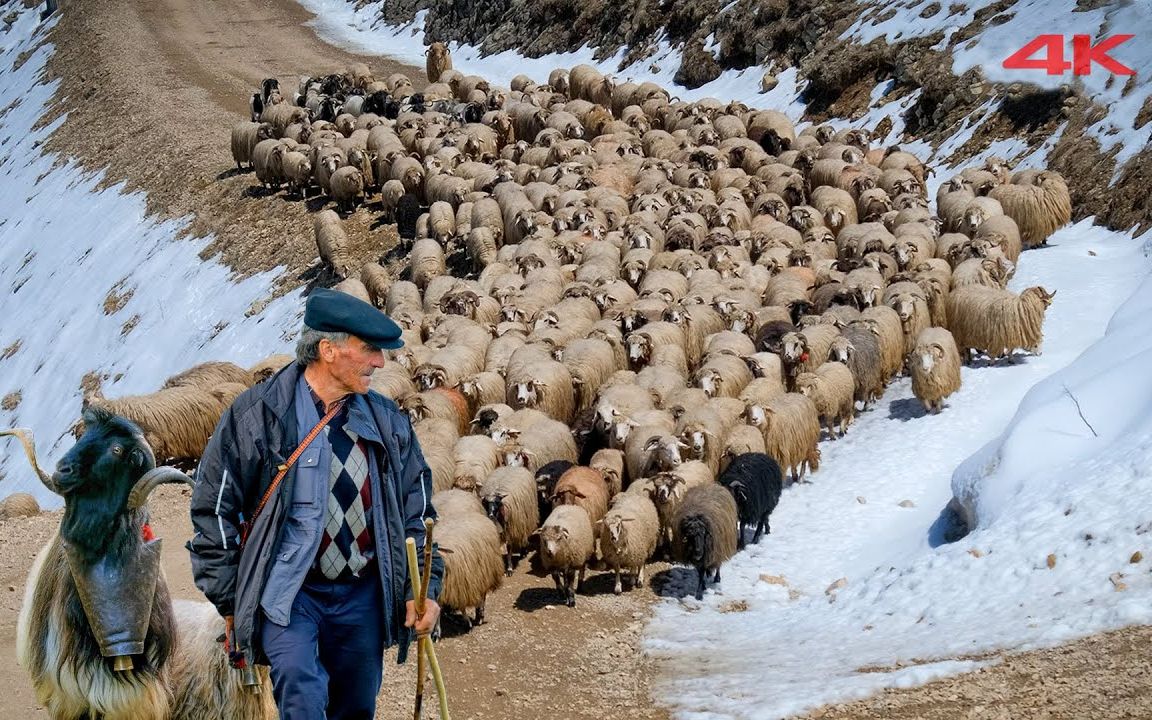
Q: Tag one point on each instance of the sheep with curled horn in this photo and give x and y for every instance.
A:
(98, 631)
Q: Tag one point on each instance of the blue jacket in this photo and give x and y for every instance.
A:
(255, 435)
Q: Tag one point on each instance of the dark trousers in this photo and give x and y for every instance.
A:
(329, 661)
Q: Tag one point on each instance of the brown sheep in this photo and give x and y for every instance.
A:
(437, 59)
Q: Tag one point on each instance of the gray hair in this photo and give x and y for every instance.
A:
(308, 346)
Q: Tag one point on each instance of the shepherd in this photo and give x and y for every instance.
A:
(304, 499)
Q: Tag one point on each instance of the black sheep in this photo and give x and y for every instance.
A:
(771, 334)
(256, 105)
(546, 479)
(376, 103)
(408, 211)
(755, 481)
(704, 531)
(267, 87)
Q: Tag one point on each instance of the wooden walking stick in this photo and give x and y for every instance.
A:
(424, 647)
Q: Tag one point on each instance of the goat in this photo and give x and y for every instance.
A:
(98, 631)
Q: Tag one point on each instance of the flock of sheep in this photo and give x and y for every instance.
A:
(662, 294)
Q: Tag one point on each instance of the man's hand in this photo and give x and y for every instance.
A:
(426, 622)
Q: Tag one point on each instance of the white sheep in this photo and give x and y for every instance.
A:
(509, 498)
(1039, 208)
(628, 535)
(832, 390)
(346, 187)
(995, 321)
(935, 368)
(473, 562)
(566, 546)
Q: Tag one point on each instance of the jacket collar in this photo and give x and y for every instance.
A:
(279, 398)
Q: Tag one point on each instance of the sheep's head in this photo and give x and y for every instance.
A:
(802, 218)
(904, 305)
(639, 348)
(860, 183)
(929, 356)
(552, 538)
(695, 440)
(617, 530)
(529, 392)
(611, 474)
(620, 428)
(739, 320)
(676, 314)
(806, 383)
(710, 381)
(758, 416)
(1039, 292)
(667, 487)
(906, 253)
(795, 347)
(416, 409)
(494, 507)
(664, 451)
(518, 456)
(842, 350)
(431, 376)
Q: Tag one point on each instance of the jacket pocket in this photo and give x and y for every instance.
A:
(288, 570)
(304, 492)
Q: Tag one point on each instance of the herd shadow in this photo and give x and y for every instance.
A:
(906, 409)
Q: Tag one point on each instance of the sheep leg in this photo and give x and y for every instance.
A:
(508, 562)
(580, 575)
(740, 535)
(558, 578)
(639, 577)
(570, 589)
(717, 578)
(619, 588)
(759, 530)
(480, 613)
(702, 573)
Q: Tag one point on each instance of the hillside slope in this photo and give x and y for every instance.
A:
(854, 55)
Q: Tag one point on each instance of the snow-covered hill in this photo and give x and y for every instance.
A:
(90, 284)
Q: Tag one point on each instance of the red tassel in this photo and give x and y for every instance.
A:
(146, 533)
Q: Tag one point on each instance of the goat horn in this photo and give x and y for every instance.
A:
(24, 435)
(151, 480)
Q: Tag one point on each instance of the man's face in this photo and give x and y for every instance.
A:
(352, 363)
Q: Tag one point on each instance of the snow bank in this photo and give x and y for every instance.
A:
(66, 249)
(853, 592)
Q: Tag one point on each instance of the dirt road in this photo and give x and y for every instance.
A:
(152, 90)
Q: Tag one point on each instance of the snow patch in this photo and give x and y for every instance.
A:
(67, 248)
